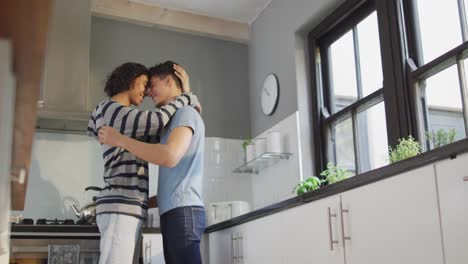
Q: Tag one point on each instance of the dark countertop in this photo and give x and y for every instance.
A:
(64, 231)
(426, 158)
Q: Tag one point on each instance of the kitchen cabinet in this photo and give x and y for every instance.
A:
(66, 75)
(393, 221)
(261, 241)
(452, 183)
(253, 242)
(221, 245)
(25, 23)
(313, 232)
(152, 249)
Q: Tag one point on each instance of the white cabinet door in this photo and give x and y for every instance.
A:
(312, 233)
(260, 241)
(221, 247)
(394, 221)
(452, 181)
(152, 249)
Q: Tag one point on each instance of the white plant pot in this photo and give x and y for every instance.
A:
(249, 153)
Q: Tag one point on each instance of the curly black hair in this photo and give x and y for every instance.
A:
(164, 69)
(122, 77)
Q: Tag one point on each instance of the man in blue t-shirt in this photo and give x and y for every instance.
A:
(180, 155)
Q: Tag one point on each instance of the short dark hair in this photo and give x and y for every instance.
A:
(165, 69)
(122, 77)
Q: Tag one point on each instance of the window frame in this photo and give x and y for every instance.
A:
(420, 71)
(394, 69)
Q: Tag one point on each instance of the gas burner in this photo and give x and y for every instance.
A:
(25, 221)
(54, 222)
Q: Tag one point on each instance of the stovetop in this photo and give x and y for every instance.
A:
(42, 221)
(52, 228)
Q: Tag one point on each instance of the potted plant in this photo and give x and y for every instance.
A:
(406, 148)
(312, 183)
(441, 137)
(334, 173)
(249, 149)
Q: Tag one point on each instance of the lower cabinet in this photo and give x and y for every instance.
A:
(452, 182)
(395, 220)
(152, 249)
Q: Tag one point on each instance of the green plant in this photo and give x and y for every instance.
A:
(406, 148)
(247, 141)
(442, 137)
(334, 173)
(312, 183)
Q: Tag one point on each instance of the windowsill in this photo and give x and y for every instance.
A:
(421, 160)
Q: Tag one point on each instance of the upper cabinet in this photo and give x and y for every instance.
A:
(63, 98)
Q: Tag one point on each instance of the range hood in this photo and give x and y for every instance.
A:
(64, 104)
(62, 122)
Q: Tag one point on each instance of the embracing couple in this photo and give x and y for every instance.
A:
(171, 136)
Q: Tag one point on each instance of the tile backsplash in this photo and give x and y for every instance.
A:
(64, 164)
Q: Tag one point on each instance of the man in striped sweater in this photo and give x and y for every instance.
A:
(122, 204)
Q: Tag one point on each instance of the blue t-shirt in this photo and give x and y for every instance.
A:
(182, 185)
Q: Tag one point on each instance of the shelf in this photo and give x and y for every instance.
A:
(261, 162)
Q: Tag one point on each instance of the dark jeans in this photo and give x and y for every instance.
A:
(182, 229)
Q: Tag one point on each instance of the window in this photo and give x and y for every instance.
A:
(440, 79)
(355, 130)
(385, 70)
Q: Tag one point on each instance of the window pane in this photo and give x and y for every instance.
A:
(342, 145)
(373, 143)
(444, 103)
(439, 24)
(343, 71)
(369, 54)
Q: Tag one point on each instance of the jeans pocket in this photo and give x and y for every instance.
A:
(198, 223)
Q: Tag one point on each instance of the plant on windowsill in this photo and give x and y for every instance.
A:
(312, 183)
(406, 148)
(334, 173)
(441, 138)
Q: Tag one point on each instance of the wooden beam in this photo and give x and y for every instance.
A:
(25, 23)
(186, 22)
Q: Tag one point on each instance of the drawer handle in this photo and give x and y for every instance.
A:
(465, 179)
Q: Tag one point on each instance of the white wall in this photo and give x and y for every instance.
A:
(275, 184)
(62, 165)
(278, 45)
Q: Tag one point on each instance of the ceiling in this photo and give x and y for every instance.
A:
(244, 11)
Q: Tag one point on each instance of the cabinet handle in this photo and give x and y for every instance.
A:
(148, 256)
(241, 250)
(343, 211)
(330, 232)
(465, 179)
(233, 251)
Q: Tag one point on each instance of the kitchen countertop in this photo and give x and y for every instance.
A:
(427, 158)
(64, 231)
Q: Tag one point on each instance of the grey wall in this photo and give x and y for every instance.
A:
(218, 69)
(273, 49)
(278, 45)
